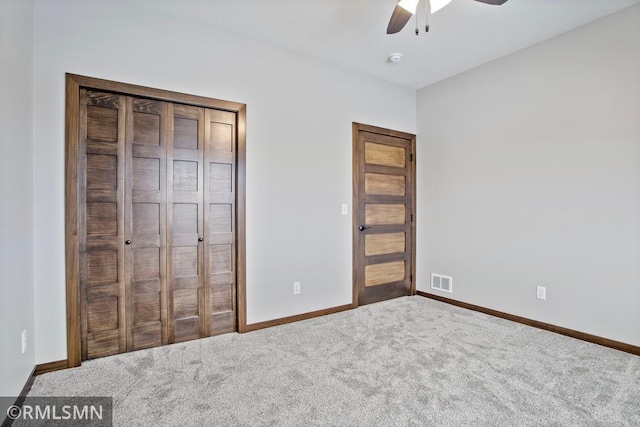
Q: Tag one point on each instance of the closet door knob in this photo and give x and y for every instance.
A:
(200, 239)
(127, 242)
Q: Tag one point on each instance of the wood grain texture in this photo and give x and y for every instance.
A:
(379, 274)
(57, 365)
(146, 128)
(72, 250)
(103, 343)
(146, 219)
(222, 299)
(222, 139)
(388, 243)
(146, 335)
(389, 185)
(185, 175)
(220, 222)
(102, 124)
(221, 259)
(185, 261)
(187, 328)
(185, 131)
(143, 118)
(102, 173)
(102, 266)
(145, 262)
(185, 218)
(158, 94)
(383, 214)
(145, 223)
(221, 178)
(221, 217)
(146, 306)
(145, 173)
(185, 258)
(185, 302)
(102, 219)
(241, 275)
(385, 155)
(102, 118)
(297, 317)
(357, 203)
(102, 314)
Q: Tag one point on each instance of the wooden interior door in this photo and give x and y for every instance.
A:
(145, 223)
(383, 214)
(185, 220)
(101, 208)
(220, 221)
(154, 211)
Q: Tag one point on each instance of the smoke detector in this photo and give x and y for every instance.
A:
(394, 58)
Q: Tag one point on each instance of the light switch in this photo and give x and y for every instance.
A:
(345, 209)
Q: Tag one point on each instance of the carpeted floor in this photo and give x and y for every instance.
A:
(405, 362)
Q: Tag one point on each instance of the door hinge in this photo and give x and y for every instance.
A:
(412, 218)
(411, 278)
(411, 157)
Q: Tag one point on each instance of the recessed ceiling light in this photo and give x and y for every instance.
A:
(395, 57)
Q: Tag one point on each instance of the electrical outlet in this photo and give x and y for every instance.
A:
(24, 341)
(542, 292)
(345, 209)
(296, 287)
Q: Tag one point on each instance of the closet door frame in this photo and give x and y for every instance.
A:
(72, 192)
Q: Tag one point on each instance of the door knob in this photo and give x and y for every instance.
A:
(200, 239)
(363, 227)
(127, 242)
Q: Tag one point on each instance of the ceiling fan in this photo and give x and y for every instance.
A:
(405, 9)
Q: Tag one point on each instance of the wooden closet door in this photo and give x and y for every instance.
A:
(185, 222)
(220, 226)
(101, 165)
(145, 223)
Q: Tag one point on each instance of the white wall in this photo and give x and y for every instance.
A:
(299, 114)
(529, 174)
(16, 195)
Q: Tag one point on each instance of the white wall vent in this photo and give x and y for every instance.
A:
(442, 283)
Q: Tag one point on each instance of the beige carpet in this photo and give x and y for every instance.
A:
(405, 362)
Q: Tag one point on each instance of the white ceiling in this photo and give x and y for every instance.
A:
(352, 33)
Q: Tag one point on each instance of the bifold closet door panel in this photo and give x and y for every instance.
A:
(220, 227)
(145, 223)
(156, 220)
(185, 222)
(101, 170)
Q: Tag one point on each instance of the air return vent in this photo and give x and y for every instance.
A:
(442, 283)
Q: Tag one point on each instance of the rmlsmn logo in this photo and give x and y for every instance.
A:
(60, 411)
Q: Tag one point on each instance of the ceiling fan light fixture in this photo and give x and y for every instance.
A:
(405, 9)
(436, 5)
(409, 5)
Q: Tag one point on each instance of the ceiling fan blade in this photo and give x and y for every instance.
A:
(493, 2)
(398, 20)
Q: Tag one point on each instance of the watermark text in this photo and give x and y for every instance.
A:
(59, 411)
